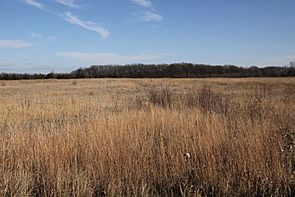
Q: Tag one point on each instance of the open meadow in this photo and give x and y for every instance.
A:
(147, 137)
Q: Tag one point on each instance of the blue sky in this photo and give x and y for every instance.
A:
(62, 35)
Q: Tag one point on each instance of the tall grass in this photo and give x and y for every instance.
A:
(197, 142)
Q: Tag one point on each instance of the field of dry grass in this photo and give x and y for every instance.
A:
(148, 137)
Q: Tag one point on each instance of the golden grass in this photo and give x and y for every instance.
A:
(97, 137)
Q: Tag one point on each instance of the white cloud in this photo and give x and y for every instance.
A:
(14, 44)
(151, 16)
(110, 58)
(69, 3)
(89, 25)
(35, 35)
(143, 3)
(35, 4)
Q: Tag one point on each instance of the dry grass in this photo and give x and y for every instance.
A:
(162, 137)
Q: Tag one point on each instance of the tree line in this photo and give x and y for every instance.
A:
(176, 70)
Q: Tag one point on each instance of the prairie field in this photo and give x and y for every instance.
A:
(148, 137)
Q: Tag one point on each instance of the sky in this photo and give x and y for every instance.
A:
(63, 35)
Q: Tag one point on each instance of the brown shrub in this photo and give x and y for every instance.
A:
(208, 101)
(161, 96)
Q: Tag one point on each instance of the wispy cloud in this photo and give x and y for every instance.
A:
(35, 3)
(14, 44)
(35, 35)
(143, 3)
(69, 3)
(111, 58)
(89, 25)
(151, 16)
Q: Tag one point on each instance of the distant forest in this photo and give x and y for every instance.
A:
(176, 70)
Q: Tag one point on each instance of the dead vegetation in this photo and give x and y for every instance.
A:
(180, 138)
